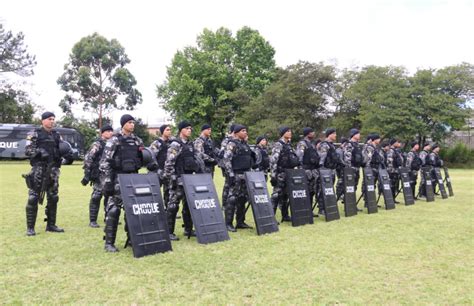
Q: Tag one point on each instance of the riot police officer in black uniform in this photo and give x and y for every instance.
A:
(436, 162)
(262, 159)
(353, 156)
(181, 159)
(91, 173)
(309, 159)
(425, 161)
(394, 161)
(413, 163)
(44, 148)
(122, 154)
(204, 147)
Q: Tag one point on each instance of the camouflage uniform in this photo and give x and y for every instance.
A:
(413, 163)
(91, 173)
(122, 154)
(160, 148)
(309, 158)
(425, 161)
(42, 148)
(328, 160)
(225, 189)
(373, 158)
(394, 160)
(262, 160)
(175, 166)
(282, 157)
(340, 171)
(352, 157)
(436, 162)
(237, 160)
(206, 151)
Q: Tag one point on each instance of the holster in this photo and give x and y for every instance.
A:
(29, 180)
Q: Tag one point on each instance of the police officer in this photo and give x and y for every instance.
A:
(309, 158)
(353, 155)
(394, 162)
(373, 157)
(204, 147)
(262, 159)
(43, 149)
(238, 159)
(181, 159)
(225, 141)
(413, 163)
(160, 148)
(436, 162)
(122, 154)
(283, 157)
(340, 168)
(328, 160)
(425, 161)
(91, 173)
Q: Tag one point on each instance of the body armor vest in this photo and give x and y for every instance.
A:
(397, 159)
(310, 157)
(376, 160)
(416, 162)
(265, 163)
(209, 149)
(357, 159)
(427, 159)
(50, 143)
(127, 158)
(242, 159)
(332, 160)
(161, 155)
(288, 158)
(186, 162)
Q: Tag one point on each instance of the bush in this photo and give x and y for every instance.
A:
(459, 154)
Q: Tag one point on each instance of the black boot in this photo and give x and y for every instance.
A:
(111, 224)
(31, 213)
(94, 207)
(51, 210)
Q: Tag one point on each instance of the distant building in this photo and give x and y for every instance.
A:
(154, 128)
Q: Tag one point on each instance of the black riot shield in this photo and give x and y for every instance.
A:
(350, 206)
(259, 199)
(298, 194)
(447, 179)
(406, 187)
(439, 179)
(330, 201)
(145, 213)
(369, 192)
(384, 180)
(426, 172)
(204, 207)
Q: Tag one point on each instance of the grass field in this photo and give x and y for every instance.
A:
(411, 255)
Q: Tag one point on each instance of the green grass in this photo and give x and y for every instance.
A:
(411, 255)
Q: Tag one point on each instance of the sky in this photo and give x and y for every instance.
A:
(415, 34)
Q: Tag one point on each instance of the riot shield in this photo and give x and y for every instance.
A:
(350, 206)
(259, 199)
(204, 207)
(406, 187)
(439, 179)
(447, 179)
(369, 192)
(384, 180)
(298, 194)
(426, 172)
(145, 213)
(327, 188)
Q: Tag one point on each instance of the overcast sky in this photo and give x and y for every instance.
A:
(414, 34)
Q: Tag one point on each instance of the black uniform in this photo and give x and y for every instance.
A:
(160, 148)
(262, 160)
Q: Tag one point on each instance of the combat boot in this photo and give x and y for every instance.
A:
(51, 210)
(243, 225)
(173, 237)
(31, 213)
(111, 224)
(94, 206)
(189, 233)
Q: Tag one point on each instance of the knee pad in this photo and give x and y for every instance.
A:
(54, 198)
(96, 196)
(113, 212)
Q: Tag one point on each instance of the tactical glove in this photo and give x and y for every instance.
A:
(109, 189)
(84, 181)
(273, 181)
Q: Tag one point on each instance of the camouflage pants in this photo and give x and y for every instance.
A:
(394, 182)
(279, 195)
(176, 196)
(237, 198)
(94, 204)
(225, 191)
(313, 183)
(37, 173)
(113, 208)
(413, 174)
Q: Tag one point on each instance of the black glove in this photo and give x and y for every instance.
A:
(273, 181)
(109, 189)
(84, 181)
(152, 167)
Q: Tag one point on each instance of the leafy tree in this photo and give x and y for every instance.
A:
(86, 128)
(96, 77)
(205, 83)
(15, 105)
(141, 130)
(298, 98)
(13, 54)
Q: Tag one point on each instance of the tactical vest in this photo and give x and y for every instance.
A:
(265, 163)
(208, 149)
(397, 159)
(288, 158)
(50, 143)
(416, 162)
(427, 159)
(376, 160)
(357, 159)
(242, 159)
(186, 162)
(161, 155)
(127, 157)
(310, 157)
(437, 161)
(332, 160)
(94, 168)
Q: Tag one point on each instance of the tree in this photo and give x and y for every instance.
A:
(298, 98)
(15, 105)
(96, 77)
(204, 83)
(86, 128)
(141, 130)
(13, 54)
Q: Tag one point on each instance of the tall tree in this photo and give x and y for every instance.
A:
(205, 83)
(15, 105)
(96, 76)
(298, 98)
(13, 54)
